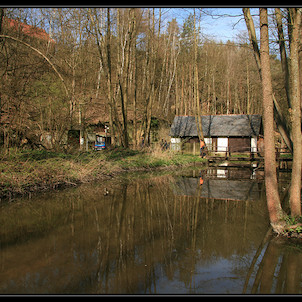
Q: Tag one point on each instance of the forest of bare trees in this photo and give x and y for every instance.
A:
(122, 66)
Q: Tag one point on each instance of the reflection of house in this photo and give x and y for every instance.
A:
(234, 133)
(227, 184)
(229, 189)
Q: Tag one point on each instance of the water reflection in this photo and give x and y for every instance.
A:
(154, 235)
(225, 184)
(278, 269)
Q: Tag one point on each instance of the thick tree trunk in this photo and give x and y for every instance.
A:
(279, 118)
(295, 190)
(272, 195)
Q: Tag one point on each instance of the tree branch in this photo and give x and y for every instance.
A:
(41, 54)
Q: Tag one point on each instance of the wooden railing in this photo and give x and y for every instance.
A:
(246, 153)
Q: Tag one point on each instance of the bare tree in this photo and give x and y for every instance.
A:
(294, 21)
(283, 53)
(196, 86)
(278, 115)
(272, 194)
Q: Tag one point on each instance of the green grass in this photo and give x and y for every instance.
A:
(22, 171)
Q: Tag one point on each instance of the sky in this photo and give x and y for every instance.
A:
(220, 24)
(226, 27)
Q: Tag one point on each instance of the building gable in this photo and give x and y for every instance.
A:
(26, 29)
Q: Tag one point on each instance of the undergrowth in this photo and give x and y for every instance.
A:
(293, 225)
(24, 171)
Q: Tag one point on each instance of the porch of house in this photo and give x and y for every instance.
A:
(223, 148)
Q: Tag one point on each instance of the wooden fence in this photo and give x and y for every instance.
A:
(283, 156)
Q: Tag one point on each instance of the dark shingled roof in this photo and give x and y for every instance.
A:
(218, 125)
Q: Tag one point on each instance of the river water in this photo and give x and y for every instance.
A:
(185, 232)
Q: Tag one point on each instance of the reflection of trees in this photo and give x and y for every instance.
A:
(124, 242)
(161, 234)
(280, 269)
(276, 263)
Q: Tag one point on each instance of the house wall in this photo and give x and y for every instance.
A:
(219, 144)
(193, 140)
(232, 144)
(239, 144)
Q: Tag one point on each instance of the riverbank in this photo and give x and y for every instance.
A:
(28, 171)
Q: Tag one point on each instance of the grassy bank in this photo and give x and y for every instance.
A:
(28, 171)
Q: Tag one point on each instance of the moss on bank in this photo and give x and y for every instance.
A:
(28, 171)
(292, 227)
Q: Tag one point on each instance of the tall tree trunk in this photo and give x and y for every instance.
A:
(105, 59)
(126, 37)
(294, 15)
(284, 61)
(112, 108)
(272, 195)
(196, 86)
(279, 118)
(247, 89)
(135, 74)
(252, 36)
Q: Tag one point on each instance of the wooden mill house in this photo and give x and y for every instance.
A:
(222, 133)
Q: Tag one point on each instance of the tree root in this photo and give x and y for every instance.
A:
(293, 226)
(281, 228)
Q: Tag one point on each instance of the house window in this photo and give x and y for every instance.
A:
(208, 142)
(253, 144)
(222, 144)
